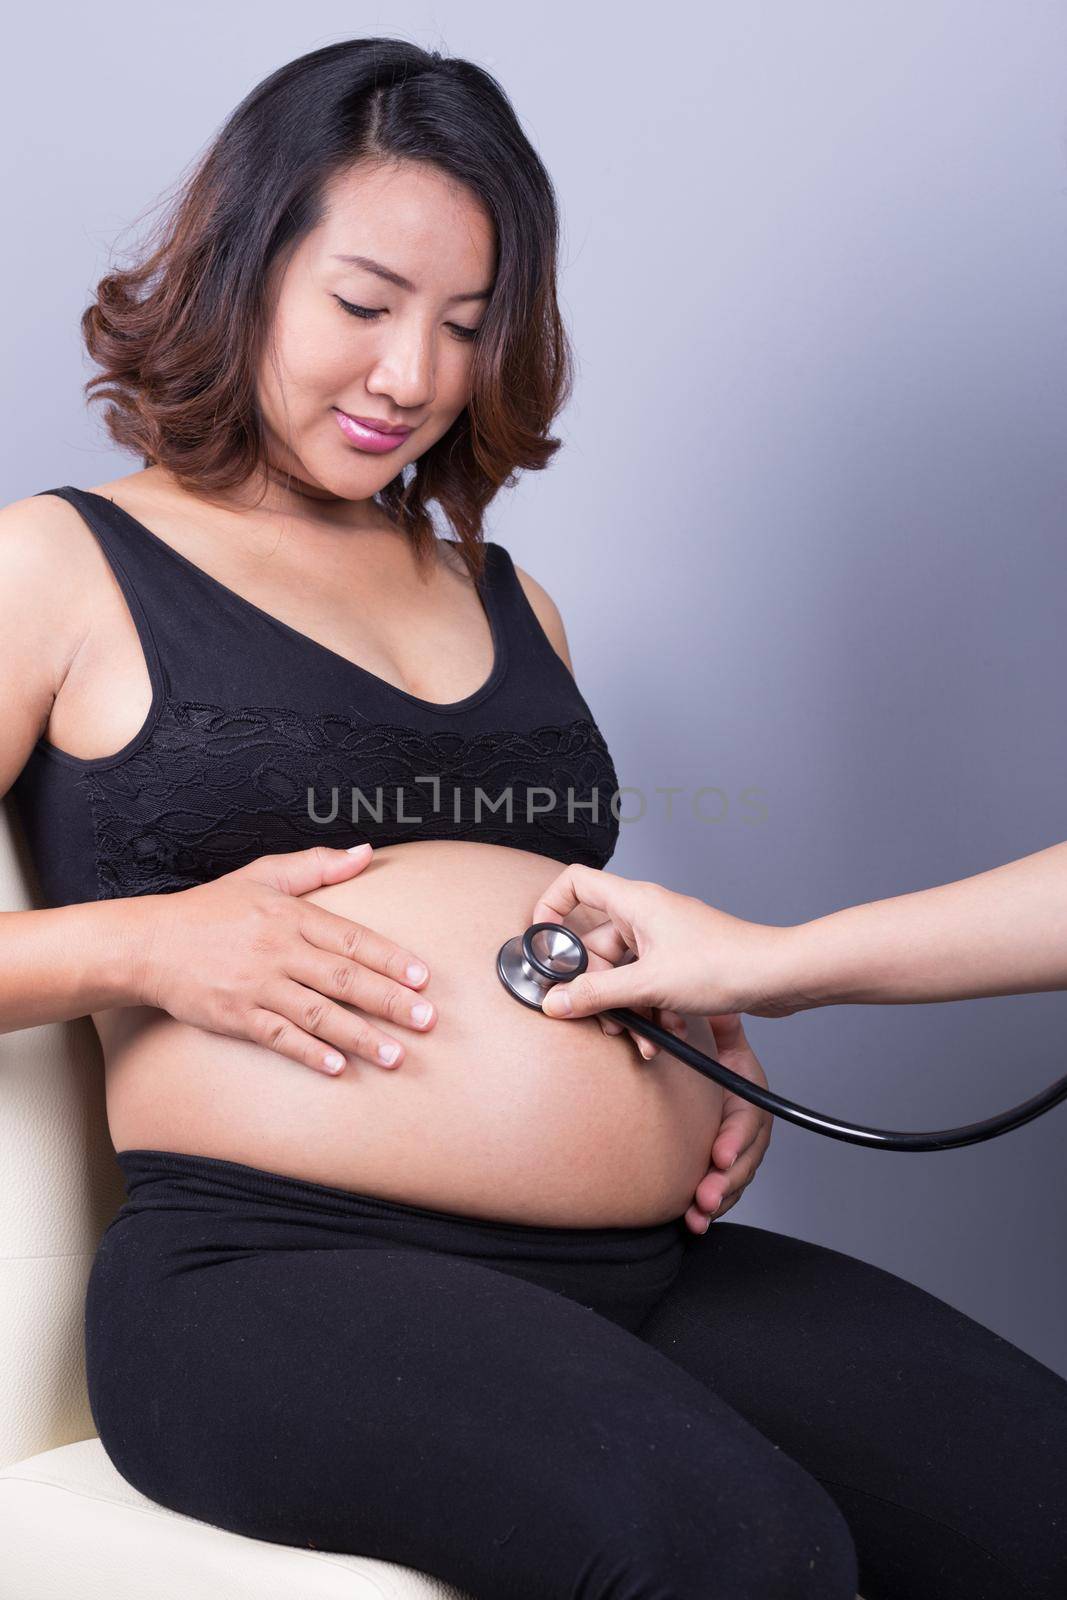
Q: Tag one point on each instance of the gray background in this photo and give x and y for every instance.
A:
(806, 534)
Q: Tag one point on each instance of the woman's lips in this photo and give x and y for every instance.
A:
(365, 438)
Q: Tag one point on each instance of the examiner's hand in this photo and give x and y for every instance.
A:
(689, 956)
(584, 922)
(744, 1132)
(244, 955)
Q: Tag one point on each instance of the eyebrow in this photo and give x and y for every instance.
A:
(402, 283)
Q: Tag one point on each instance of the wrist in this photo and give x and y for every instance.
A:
(126, 951)
(803, 976)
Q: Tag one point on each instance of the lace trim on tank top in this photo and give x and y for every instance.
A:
(214, 787)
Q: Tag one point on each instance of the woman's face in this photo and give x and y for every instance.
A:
(409, 362)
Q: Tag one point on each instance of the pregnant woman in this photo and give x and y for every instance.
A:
(402, 1269)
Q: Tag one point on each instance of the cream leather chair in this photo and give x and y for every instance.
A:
(71, 1528)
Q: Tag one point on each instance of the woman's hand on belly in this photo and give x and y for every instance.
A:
(744, 1132)
(248, 955)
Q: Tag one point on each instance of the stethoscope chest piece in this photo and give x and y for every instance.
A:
(535, 961)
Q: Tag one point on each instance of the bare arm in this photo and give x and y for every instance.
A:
(68, 960)
(1000, 932)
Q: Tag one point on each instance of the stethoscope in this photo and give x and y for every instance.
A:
(548, 953)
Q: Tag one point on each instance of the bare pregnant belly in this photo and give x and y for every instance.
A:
(497, 1111)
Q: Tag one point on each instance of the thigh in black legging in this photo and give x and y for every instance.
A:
(421, 1407)
(944, 1444)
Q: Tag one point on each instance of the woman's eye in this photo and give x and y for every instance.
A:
(368, 315)
(355, 311)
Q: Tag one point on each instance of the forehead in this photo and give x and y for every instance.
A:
(411, 215)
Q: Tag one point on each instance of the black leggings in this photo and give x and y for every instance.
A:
(553, 1413)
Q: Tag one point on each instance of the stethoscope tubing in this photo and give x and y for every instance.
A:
(818, 1121)
(542, 976)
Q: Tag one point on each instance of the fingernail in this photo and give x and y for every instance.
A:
(333, 1062)
(561, 1003)
(352, 848)
(416, 972)
(421, 1013)
(707, 1225)
(388, 1053)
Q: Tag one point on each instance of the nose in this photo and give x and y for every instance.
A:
(405, 369)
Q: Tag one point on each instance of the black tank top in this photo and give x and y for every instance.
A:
(260, 740)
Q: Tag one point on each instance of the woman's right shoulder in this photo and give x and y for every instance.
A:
(49, 568)
(40, 527)
(47, 558)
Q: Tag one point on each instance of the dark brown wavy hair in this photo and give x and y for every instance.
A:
(178, 334)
